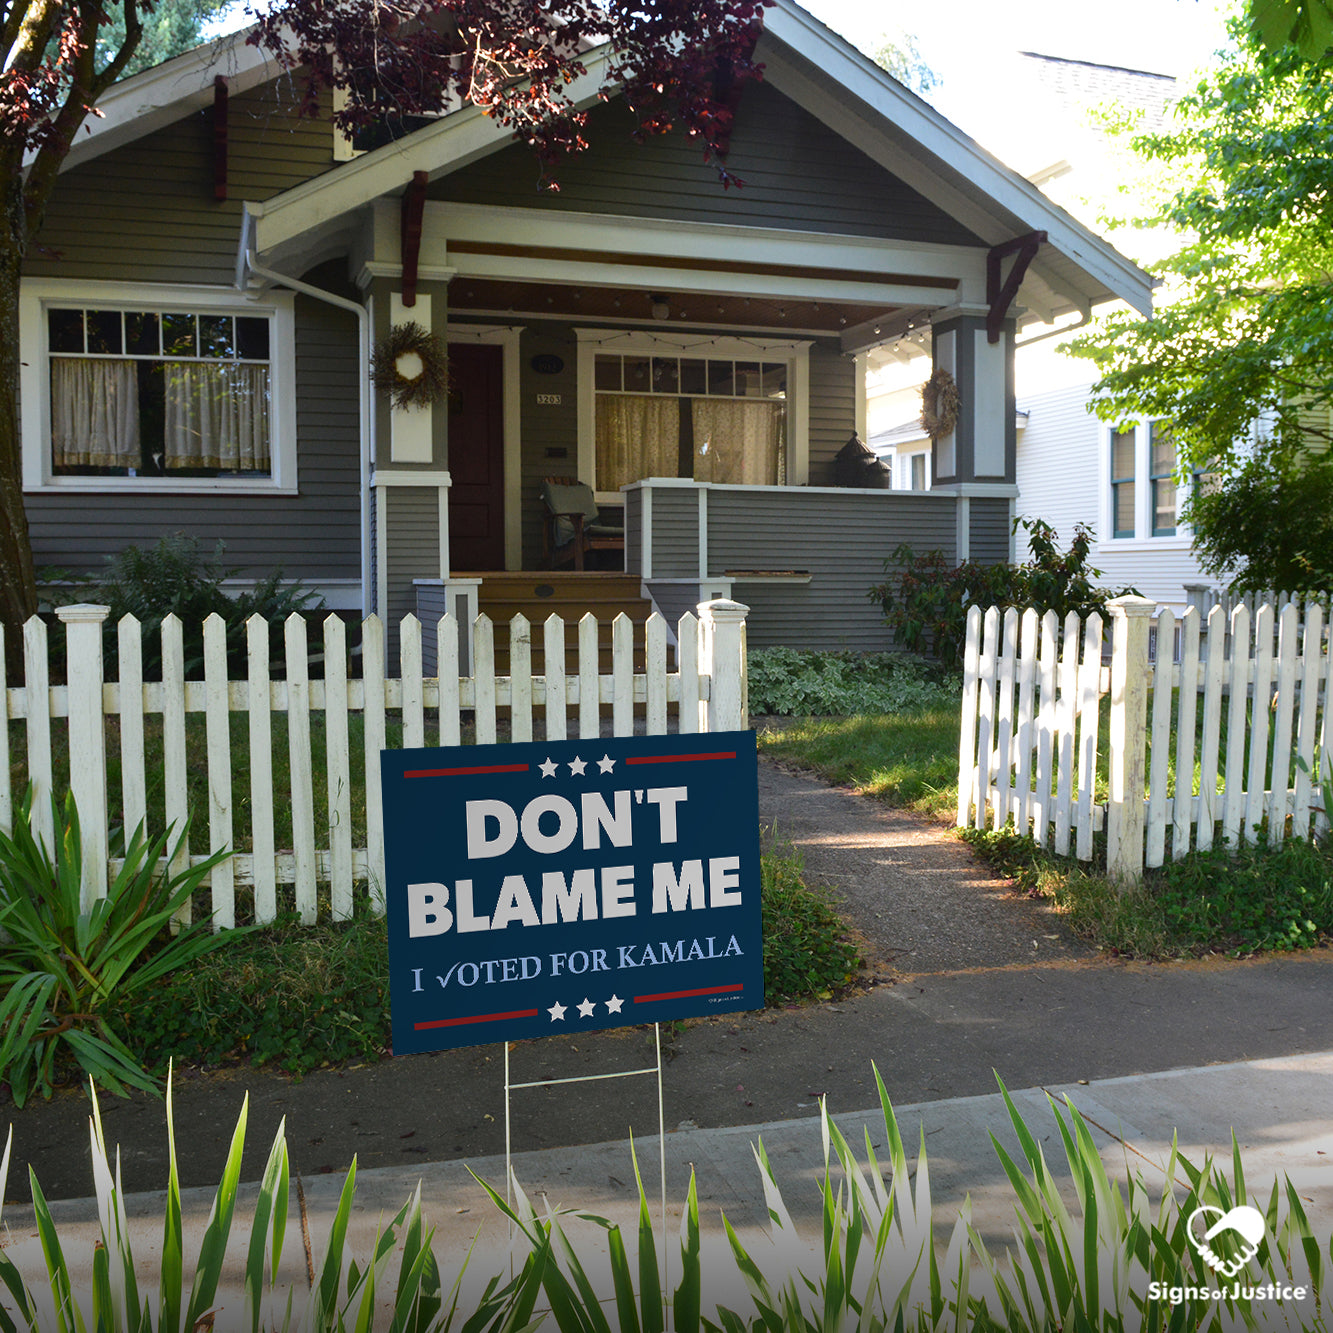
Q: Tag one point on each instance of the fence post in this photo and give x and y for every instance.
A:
(1128, 738)
(722, 658)
(87, 740)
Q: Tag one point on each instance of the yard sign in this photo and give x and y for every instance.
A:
(557, 887)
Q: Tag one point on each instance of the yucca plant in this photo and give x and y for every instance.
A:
(65, 971)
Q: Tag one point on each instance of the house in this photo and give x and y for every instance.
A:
(1070, 466)
(695, 354)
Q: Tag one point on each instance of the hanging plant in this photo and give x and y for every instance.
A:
(939, 403)
(411, 365)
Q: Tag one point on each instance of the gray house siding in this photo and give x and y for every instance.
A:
(797, 174)
(988, 531)
(675, 529)
(412, 516)
(151, 205)
(842, 540)
(310, 536)
(832, 408)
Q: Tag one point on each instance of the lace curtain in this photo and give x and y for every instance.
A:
(217, 416)
(738, 440)
(94, 413)
(638, 436)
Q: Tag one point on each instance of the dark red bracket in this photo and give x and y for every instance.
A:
(413, 210)
(1000, 295)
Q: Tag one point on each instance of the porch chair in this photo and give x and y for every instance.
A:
(573, 524)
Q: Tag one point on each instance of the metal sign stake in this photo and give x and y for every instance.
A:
(511, 1087)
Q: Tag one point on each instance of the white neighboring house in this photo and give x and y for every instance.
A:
(1071, 467)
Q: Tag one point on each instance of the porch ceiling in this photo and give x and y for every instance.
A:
(621, 304)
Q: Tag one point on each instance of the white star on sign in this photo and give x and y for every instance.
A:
(557, 1011)
(613, 1004)
(577, 766)
(548, 768)
(586, 1008)
(606, 763)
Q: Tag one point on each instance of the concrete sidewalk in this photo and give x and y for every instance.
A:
(1280, 1110)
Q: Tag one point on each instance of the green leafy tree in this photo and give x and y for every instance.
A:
(171, 29)
(899, 54)
(1239, 353)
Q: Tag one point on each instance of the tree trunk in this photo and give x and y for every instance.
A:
(18, 585)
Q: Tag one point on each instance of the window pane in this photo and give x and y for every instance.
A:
(104, 332)
(1123, 494)
(252, 338)
(749, 379)
(666, 374)
(178, 335)
(693, 376)
(1163, 455)
(141, 333)
(775, 381)
(1122, 454)
(65, 329)
(720, 378)
(215, 337)
(606, 373)
(1164, 507)
(638, 374)
(918, 472)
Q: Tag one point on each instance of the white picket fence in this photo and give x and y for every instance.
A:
(1236, 712)
(703, 690)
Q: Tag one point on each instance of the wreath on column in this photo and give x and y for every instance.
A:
(411, 365)
(939, 403)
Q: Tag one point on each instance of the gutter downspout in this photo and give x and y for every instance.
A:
(253, 265)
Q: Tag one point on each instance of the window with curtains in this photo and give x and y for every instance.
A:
(709, 419)
(159, 393)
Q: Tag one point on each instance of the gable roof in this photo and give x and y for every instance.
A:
(803, 59)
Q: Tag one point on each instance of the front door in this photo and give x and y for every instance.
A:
(476, 457)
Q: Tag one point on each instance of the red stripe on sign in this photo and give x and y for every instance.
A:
(478, 1018)
(685, 994)
(680, 758)
(464, 772)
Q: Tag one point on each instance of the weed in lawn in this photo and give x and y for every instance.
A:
(806, 952)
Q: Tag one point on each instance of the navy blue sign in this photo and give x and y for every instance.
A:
(565, 886)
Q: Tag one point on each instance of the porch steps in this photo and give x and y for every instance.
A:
(569, 595)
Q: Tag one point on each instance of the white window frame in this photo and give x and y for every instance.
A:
(37, 296)
(1143, 538)
(794, 354)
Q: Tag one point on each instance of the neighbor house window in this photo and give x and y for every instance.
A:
(704, 418)
(918, 462)
(1122, 482)
(154, 392)
(1162, 476)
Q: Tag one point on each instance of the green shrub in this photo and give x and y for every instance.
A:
(1251, 897)
(926, 599)
(286, 994)
(842, 684)
(806, 951)
(175, 577)
(64, 971)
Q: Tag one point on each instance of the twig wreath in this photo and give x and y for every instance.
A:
(411, 365)
(939, 403)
